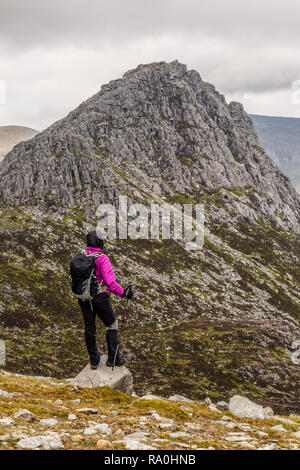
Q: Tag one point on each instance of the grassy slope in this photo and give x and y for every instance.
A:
(39, 396)
(212, 323)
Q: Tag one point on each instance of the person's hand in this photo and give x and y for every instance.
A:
(128, 292)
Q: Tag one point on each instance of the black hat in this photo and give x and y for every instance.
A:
(94, 239)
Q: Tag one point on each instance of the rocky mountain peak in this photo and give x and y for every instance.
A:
(165, 126)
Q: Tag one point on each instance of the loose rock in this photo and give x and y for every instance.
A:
(43, 442)
(24, 414)
(180, 398)
(244, 408)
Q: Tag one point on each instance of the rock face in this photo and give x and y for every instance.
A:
(12, 135)
(165, 126)
(118, 379)
(245, 408)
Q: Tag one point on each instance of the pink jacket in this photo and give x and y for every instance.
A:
(104, 272)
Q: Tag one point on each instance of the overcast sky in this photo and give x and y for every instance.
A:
(56, 53)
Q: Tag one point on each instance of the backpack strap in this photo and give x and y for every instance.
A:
(97, 255)
(93, 255)
(102, 287)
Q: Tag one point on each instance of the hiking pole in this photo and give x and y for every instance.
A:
(122, 324)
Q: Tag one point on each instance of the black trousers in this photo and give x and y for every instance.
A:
(103, 309)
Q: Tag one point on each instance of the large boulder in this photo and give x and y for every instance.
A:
(245, 408)
(118, 379)
(41, 442)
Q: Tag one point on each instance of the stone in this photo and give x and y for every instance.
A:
(226, 418)
(180, 398)
(285, 420)
(102, 428)
(131, 444)
(92, 423)
(24, 414)
(72, 417)
(6, 421)
(230, 425)
(262, 434)
(5, 394)
(103, 444)
(49, 422)
(58, 402)
(18, 435)
(192, 426)
(244, 427)
(118, 379)
(296, 434)
(175, 435)
(137, 436)
(222, 405)
(92, 411)
(143, 419)
(249, 445)
(208, 401)
(268, 412)
(89, 431)
(267, 447)
(214, 408)
(279, 428)
(238, 438)
(167, 426)
(221, 423)
(161, 419)
(151, 397)
(41, 442)
(244, 408)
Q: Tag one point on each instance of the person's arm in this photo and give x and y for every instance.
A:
(108, 275)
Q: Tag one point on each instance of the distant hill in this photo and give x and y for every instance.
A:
(12, 135)
(280, 137)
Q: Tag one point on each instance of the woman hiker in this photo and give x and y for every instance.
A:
(102, 306)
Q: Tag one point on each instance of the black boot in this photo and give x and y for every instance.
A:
(112, 345)
(91, 344)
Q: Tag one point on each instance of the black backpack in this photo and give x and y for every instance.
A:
(84, 283)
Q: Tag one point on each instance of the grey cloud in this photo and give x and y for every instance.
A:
(54, 54)
(26, 23)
